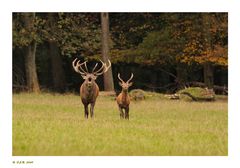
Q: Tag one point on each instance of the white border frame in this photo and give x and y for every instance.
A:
(230, 6)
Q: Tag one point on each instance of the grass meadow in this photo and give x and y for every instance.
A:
(53, 124)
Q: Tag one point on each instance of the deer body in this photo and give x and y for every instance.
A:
(89, 90)
(123, 99)
(89, 94)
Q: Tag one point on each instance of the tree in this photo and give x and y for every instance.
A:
(63, 34)
(207, 65)
(206, 43)
(205, 36)
(30, 55)
(188, 39)
(108, 79)
(179, 45)
(77, 34)
(58, 76)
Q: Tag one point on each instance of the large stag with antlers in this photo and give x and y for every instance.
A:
(89, 89)
(123, 99)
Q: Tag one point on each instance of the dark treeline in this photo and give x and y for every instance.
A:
(165, 51)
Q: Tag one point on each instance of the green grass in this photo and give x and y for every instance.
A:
(47, 124)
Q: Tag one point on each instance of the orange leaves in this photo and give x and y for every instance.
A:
(217, 55)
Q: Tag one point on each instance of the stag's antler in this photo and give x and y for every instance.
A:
(127, 80)
(79, 65)
(130, 78)
(79, 69)
(95, 67)
(120, 78)
(102, 69)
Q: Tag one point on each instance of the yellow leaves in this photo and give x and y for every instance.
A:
(196, 52)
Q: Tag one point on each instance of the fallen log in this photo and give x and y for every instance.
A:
(216, 88)
(197, 94)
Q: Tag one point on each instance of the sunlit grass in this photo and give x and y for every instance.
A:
(47, 124)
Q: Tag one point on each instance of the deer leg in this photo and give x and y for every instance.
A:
(86, 111)
(127, 113)
(92, 110)
(121, 113)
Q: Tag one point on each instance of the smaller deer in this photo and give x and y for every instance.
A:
(123, 99)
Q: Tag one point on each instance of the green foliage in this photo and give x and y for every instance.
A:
(158, 47)
(161, 42)
(128, 29)
(145, 38)
(170, 38)
(23, 35)
(185, 38)
(74, 33)
(78, 34)
(45, 124)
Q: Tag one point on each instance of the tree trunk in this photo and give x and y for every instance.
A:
(108, 78)
(208, 74)
(153, 79)
(30, 56)
(207, 66)
(58, 76)
(30, 68)
(181, 75)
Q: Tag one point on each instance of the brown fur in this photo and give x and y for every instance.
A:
(89, 92)
(89, 89)
(89, 95)
(123, 99)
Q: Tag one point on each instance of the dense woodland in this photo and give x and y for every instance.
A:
(164, 51)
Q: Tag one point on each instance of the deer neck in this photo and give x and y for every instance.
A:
(124, 95)
(89, 89)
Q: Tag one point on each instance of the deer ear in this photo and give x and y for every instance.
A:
(120, 83)
(130, 84)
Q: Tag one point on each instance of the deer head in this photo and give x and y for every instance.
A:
(90, 77)
(125, 85)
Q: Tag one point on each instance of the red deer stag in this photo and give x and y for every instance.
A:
(89, 89)
(123, 99)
